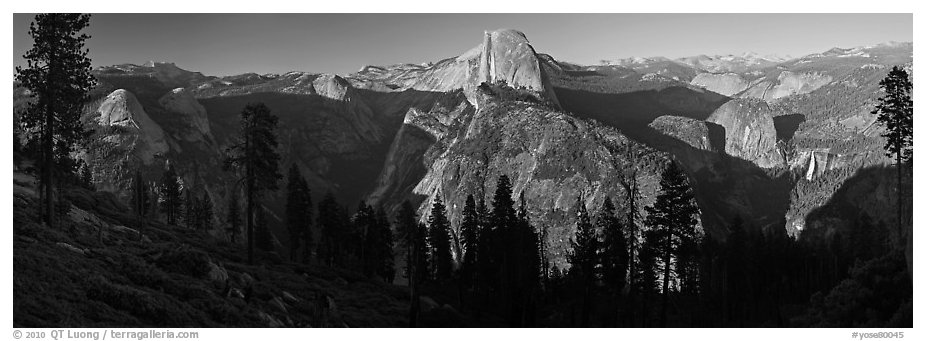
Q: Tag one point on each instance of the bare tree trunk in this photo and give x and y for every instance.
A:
(667, 260)
(250, 204)
(900, 236)
(49, 148)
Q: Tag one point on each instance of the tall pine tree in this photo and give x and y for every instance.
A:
(672, 220)
(439, 241)
(895, 114)
(140, 201)
(469, 229)
(170, 195)
(191, 209)
(255, 157)
(58, 75)
(233, 219)
(332, 230)
(308, 217)
(382, 248)
(584, 258)
(295, 210)
(206, 209)
(263, 236)
(614, 248)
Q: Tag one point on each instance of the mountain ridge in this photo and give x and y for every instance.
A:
(402, 132)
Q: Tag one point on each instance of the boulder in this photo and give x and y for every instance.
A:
(217, 274)
(289, 298)
(71, 248)
(428, 304)
(269, 320)
(235, 293)
(277, 303)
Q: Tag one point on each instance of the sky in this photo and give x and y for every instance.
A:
(230, 44)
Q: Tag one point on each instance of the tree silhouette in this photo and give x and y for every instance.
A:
(413, 235)
(296, 217)
(631, 189)
(234, 216)
(85, 176)
(469, 229)
(170, 195)
(364, 225)
(382, 247)
(895, 113)
(191, 209)
(140, 201)
(614, 248)
(254, 154)
(439, 241)
(671, 220)
(58, 75)
(584, 257)
(308, 215)
(206, 210)
(524, 267)
(332, 229)
(263, 236)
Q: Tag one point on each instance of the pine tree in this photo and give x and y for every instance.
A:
(584, 258)
(365, 226)
(895, 113)
(672, 220)
(413, 235)
(140, 201)
(308, 217)
(614, 247)
(525, 266)
(154, 203)
(332, 230)
(439, 241)
(469, 229)
(190, 209)
(423, 265)
(295, 209)
(406, 223)
(58, 75)
(484, 250)
(262, 230)
(254, 154)
(170, 195)
(383, 248)
(85, 176)
(498, 236)
(206, 209)
(234, 217)
(631, 190)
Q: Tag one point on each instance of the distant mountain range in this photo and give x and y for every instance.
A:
(765, 138)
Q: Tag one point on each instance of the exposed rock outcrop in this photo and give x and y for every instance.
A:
(696, 134)
(195, 127)
(551, 158)
(121, 108)
(787, 84)
(750, 131)
(504, 55)
(727, 84)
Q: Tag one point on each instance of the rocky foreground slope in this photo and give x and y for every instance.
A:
(94, 270)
